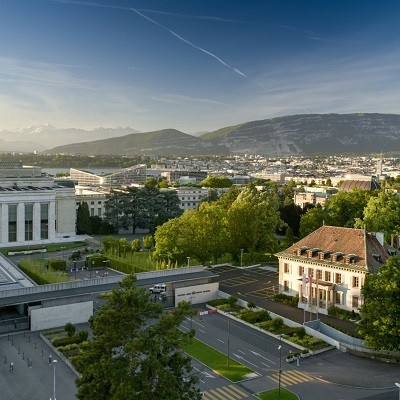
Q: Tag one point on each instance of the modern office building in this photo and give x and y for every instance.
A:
(34, 209)
(175, 174)
(124, 177)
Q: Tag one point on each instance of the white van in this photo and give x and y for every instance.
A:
(159, 288)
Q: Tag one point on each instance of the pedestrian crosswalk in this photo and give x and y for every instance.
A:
(291, 377)
(230, 392)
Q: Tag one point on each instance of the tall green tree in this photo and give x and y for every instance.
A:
(252, 221)
(145, 208)
(313, 219)
(382, 214)
(132, 358)
(345, 207)
(83, 224)
(380, 310)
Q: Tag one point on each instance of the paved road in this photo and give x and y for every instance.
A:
(332, 375)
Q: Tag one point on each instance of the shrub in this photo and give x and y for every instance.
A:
(342, 314)
(251, 304)
(83, 336)
(70, 329)
(232, 301)
(217, 302)
(224, 307)
(253, 317)
(57, 264)
(67, 340)
(136, 245)
(285, 299)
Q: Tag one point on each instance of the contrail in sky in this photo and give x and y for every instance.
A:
(191, 44)
(86, 3)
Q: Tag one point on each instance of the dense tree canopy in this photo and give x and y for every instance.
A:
(345, 207)
(239, 220)
(217, 182)
(132, 358)
(381, 307)
(313, 219)
(146, 207)
(382, 214)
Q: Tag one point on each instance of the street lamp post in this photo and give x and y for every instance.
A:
(54, 380)
(229, 336)
(241, 258)
(398, 385)
(188, 258)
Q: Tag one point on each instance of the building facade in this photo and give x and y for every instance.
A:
(34, 209)
(124, 177)
(329, 266)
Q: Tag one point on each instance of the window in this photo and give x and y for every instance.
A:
(338, 278)
(44, 221)
(92, 212)
(99, 202)
(327, 276)
(319, 274)
(99, 211)
(311, 272)
(354, 302)
(12, 222)
(356, 281)
(28, 221)
(286, 268)
(338, 298)
(285, 286)
(301, 270)
(92, 202)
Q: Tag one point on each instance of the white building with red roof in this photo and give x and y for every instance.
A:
(328, 267)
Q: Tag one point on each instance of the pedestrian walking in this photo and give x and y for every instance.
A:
(49, 358)
(11, 367)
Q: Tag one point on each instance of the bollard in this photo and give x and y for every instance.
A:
(29, 338)
(35, 345)
(19, 350)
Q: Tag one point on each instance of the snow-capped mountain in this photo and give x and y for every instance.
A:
(46, 136)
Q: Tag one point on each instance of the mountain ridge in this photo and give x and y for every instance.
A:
(302, 134)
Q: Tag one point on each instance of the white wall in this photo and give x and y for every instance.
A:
(197, 294)
(54, 317)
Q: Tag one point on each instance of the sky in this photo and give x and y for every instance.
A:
(194, 65)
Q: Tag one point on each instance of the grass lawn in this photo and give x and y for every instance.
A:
(274, 395)
(217, 361)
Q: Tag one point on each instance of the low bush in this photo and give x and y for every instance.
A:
(343, 314)
(292, 301)
(68, 340)
(253, 317)
(217, 302)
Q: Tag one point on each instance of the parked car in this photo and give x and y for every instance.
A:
(159, 288)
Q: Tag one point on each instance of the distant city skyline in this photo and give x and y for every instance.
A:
(194, 65)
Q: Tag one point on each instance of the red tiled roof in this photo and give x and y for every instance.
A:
(348, 241)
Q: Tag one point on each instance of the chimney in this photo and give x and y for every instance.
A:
(379, 236)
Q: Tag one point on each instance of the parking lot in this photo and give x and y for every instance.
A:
(257, 282)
